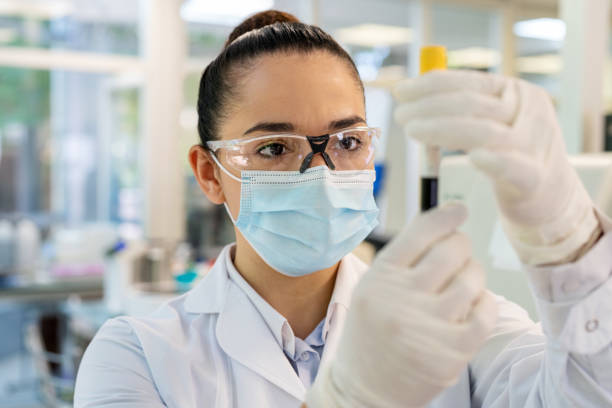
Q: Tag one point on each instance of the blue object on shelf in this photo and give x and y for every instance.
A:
(380, 169)
(117, 247)
(185, 280)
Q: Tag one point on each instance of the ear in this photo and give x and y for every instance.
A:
(205, 171)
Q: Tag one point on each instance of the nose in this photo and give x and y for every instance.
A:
(317, 160)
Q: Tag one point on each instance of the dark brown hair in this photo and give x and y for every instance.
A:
(266, 32)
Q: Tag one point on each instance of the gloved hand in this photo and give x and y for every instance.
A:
(510, 131)
(416, 318)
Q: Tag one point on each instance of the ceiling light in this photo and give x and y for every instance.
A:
(225, 12)
(46, 10)
(544, 64)
(551, 29)
(474, 57)
(374, 35)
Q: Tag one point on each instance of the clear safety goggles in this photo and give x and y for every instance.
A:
(348, 149)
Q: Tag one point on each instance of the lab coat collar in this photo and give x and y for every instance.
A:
(241, 331)
(209, 295)
(244, 335)
(275, 321)
(350, 271)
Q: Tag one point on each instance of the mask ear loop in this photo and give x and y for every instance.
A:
(232, 176)
(229, 213)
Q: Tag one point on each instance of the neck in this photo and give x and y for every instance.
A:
(301, 300)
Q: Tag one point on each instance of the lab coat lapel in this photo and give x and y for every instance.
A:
(209, 294)
(350, 272)
(244, 335)
(333, 335)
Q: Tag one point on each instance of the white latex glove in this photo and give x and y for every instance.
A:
(416, 318)
(509, 128)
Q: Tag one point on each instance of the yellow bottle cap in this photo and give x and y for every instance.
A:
(432, 57)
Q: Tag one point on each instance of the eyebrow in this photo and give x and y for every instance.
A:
(288, 127)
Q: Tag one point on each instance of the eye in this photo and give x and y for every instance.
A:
(272, 149)
(349, 142)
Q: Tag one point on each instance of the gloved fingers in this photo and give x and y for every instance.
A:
(464, 103)
(442, 262)
(439, 363)
(461, 133)
(479, 323)
(457, 299)
(426, 229)
(448, 81)
(467, 336)
(513, 172)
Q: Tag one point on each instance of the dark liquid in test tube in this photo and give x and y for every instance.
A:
(429, 193)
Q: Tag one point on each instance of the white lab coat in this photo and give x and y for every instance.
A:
(212, 348)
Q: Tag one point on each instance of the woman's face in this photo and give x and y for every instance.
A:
(306, 93)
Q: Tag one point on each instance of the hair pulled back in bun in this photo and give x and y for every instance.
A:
(264, 33)
(260, 20)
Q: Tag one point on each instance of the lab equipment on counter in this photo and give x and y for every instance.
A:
(79, 251)
(7, 248)
(20, 254)
(118, 273)
(461, 181)
(432, 57)
(184, 281)
(27, 251)
(140, 275)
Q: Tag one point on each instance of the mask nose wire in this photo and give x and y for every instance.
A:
(318, 144)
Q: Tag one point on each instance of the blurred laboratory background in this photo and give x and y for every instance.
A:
(99, 212)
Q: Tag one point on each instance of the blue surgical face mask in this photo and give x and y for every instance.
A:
(300, 223)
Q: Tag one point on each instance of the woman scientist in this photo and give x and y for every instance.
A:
(287, 149)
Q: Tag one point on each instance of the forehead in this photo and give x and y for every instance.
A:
(308, 90)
